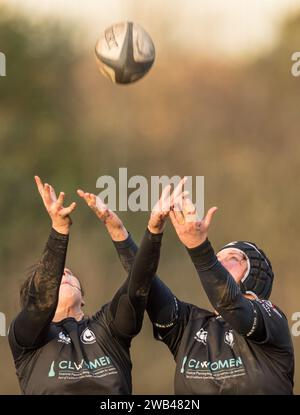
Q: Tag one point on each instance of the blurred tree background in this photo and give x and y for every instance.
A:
(237, 124)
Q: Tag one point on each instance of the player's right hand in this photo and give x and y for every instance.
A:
(59, 214)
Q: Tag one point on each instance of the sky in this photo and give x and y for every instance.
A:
(226, 27)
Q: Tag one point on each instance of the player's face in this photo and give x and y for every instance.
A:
(234, 261)
(70, 293)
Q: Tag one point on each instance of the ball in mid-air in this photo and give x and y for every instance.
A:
(125, 52)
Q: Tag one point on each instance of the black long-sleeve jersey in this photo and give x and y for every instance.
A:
(90, 356)
(244, 349)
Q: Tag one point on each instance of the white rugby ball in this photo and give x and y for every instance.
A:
(124, 52)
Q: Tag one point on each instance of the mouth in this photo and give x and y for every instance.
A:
(66, 282)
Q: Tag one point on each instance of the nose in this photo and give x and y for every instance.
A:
(66, 276)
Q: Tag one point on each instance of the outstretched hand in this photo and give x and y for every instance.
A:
(162, 208)
(110, 219)
(59, 214)
(190, 229)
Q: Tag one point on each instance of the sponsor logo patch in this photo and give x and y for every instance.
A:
(201, 336)
(88, 337)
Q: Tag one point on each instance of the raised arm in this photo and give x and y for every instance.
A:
(141, 268)
(220, 287)
(40, 294)
(162, 305)
(124, 244)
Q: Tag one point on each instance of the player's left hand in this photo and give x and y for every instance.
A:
(111, 220)
(162, 208)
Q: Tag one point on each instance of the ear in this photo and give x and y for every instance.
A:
(82, 303)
